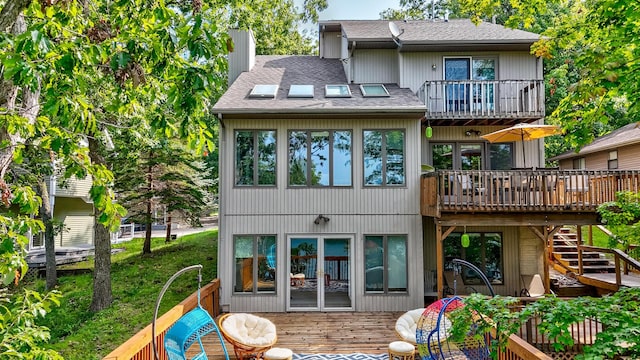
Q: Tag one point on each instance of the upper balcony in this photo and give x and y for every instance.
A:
(450, 100)
(522, 191)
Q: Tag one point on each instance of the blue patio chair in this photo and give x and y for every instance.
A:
(188, 329)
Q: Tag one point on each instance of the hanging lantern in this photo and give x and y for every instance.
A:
(428, 132)
(464, 240)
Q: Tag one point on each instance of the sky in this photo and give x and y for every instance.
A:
(352, 9)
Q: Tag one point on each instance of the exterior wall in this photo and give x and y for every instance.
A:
(74, 187)
(417, 67)
(511, 255)
(77, 216)
(243, 56)
(354, 211)
(628, 159)
(330, 45)
(534, 149)
(344, 54)
(531, 253)
(375, 66)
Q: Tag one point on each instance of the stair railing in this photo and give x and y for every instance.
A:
(619, 256)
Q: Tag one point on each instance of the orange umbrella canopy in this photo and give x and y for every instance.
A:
(522, 132)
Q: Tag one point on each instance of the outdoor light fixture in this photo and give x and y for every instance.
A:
(464, 239)
(428, 131)
(321, 218)
(472, 132)
(434, 67)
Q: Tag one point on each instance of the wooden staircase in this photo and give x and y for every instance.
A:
(565, 255)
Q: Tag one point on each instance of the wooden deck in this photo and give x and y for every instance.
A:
(325, 332)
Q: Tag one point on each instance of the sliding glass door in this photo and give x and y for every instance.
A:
(320, 273)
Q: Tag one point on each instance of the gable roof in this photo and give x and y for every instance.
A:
(432, 33)
(626, 135)
(288, 70)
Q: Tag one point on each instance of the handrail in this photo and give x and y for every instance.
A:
(618, 255)
(531, 190)
(139, 346)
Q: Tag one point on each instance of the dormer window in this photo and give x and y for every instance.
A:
(301, 91)
(374, 90)
(337, 91)
(264, 91)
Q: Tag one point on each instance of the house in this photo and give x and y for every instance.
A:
(73, 210)
(323, 205)
(617, 150)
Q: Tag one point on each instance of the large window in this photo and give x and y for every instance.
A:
(471, 156)
(384, 163)
(320, 158)
(385, 259)
(255, 158)
(484, 251)
(255, 263)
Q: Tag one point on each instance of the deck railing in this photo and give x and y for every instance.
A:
(540, 190)
(483, 98)
(139, 347)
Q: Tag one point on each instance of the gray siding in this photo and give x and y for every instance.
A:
(510, 254)
(330, 45)
(243, 56)
(354, 211)
(534, 149)
(628, 158)
(375, 66)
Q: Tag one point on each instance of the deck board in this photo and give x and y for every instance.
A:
(325, 332)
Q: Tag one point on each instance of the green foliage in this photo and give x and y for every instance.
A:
(20, 337)
(622, 217)
(79, 334)
(617, 313)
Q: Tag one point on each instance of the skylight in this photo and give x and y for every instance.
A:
(301, 91)
(264, 91)
(374, 90)
(337, 91)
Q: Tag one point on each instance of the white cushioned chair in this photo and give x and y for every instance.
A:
(406, 325)
(250, 335)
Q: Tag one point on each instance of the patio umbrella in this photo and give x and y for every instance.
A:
(522, 132)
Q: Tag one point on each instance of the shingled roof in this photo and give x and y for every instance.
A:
(285, 71)
(626, 135)
(427, 31)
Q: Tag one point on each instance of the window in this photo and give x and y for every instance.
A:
(320, 158)
(264, 91)
(374, 90)
(500, 156)
(337, 91)
(579, 163)
(484, 251)
(385, 259)
(255, 158)
(612, 164)
(301, 91)
(384, 157)
(471, 156)
(255, 263)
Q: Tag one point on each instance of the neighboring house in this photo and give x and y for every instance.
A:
(323, 205)
(73, 209)
(617, 150)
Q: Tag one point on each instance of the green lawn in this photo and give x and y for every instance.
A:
(136, 282)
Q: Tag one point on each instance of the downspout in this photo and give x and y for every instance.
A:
(223, 264)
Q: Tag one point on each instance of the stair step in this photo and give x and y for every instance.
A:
(574, 255)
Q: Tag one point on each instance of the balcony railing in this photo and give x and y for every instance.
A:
(522, 99)
(538, 190)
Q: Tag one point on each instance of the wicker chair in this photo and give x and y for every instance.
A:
(250, 335)
(406, 325)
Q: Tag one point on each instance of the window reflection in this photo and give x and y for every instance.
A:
(484, 251)
(320, 158)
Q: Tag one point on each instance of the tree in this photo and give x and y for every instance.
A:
(622, 217)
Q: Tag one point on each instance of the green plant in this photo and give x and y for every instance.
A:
(623, 219)
(617, 313)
